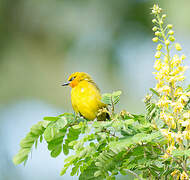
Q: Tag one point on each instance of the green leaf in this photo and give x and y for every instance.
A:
(109, 98)
(41, 139)
(97, 173)
(21, 156)
(50, 132)
(88, 173)
(65, 149)
(61, 123)
(116, 96)
(181, 153)
(56, 151)
(51, 118)
(26, 144)
(154, 92)
(63, 171)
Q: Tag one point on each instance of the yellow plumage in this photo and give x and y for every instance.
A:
(85, 95)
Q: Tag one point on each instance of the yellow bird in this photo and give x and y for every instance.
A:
(85, 95)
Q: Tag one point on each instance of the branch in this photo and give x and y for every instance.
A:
(134, 174)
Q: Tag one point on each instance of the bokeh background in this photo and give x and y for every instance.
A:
(43, 41)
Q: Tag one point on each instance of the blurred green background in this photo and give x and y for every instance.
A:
(43, 41)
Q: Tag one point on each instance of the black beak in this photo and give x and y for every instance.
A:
(65, 84)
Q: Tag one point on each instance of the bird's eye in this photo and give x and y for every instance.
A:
(72, 78)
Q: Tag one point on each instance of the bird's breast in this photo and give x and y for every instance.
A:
(86, 99)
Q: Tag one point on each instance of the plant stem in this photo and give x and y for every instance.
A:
(134, 174)
(168, 56)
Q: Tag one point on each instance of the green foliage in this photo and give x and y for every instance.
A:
(126, 143)
(26, 144)
(111, 98)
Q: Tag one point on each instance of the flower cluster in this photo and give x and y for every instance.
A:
(172, 97)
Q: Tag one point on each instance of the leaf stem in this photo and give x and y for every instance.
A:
(134, 174)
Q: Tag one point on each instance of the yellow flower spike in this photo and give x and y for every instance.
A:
(164, 16)
(178, 91)
(164, 102)
(154, 28)
(178, 47)
(175, 60)
(159, 85)
(176, 174)
(165, 70)
(167, 43)
(184, 176)
(178, 107)
(155, 39)
(159, 47)
(159, 76)
(188, 127)
(176, 171)
(164, 132)
(188, 94)
(166, 89)
(172, 142)
(187, 135)
(173, 125)
(186, 115)
(178, 137)
(183, 57)
(182, 69)
(156, 9)
(170, 32)
(158, 54)
(165, 156)
(157, 65)
(169, 26)
(179, 78)
(173, 98)
(154, 21)
(171, 38)
(166, 59)
(162, 115)
(158, 33)
(170, 149)
(183, 99)
(161, 22)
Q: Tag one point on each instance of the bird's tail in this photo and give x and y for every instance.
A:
(103, 114)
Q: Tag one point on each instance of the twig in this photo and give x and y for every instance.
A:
(133, 173)
(108, 132)
(112, 105)
(178, 162)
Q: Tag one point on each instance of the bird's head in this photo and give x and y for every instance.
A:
(77, 77)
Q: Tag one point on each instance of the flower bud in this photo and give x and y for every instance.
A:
(158, 33)
(169, 26)
(154, 21)
(171, 32)
(166, 59)
(178, 47)
(167, 43)
(156, 9)
(183, 57)
(161, 22)
(171, 38)
(154, 28)
(153, 11)
(173, 125)
(155, 39)
(159, 47)
(158, 54)
(164, 16)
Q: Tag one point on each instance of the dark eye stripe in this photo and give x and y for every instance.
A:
(72, 78)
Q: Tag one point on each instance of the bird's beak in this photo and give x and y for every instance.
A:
(65, 84)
